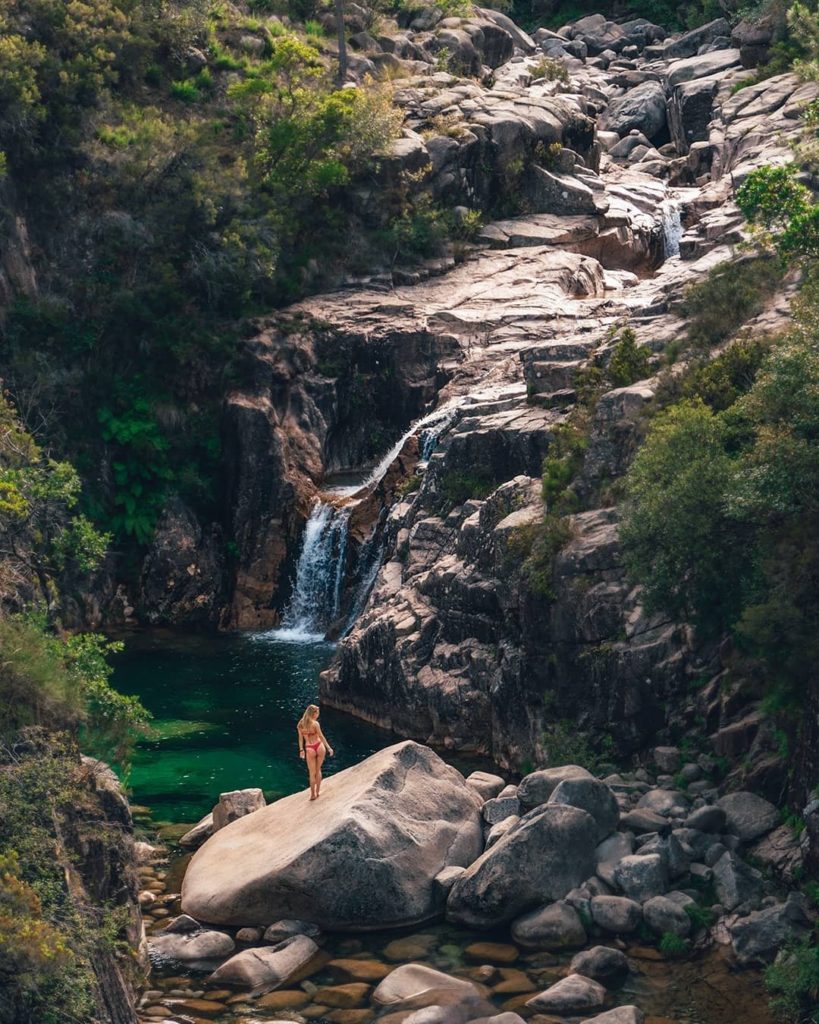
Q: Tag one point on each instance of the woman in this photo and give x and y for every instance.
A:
(313, 746)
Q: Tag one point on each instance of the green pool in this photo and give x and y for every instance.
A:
(225, 710)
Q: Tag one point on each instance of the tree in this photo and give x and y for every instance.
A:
(678, 539)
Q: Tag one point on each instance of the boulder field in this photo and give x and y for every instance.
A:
(403, 838)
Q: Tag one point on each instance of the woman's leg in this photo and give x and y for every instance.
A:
(322, 753)
(311, 768)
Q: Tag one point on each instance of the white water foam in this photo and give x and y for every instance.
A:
(670, 227)
(316, 598)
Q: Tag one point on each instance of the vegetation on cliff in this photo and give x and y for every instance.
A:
(197, 162)
(722, 500)
(56, 937)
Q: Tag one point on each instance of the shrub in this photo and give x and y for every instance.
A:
(629, 361)
(675, 534)
(728, 297)
(565, 744)
(533, 548)
(550, 69)
(461, 486)
(793, 982)
(64, 684)
(673, 945)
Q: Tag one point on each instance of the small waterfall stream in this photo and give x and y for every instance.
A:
(671, 227)
(316, 599)
(315, 603)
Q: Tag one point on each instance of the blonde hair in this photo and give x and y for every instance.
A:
(309, 717)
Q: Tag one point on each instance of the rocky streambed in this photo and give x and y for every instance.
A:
(564, 897)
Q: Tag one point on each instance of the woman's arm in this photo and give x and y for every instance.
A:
(301, 741)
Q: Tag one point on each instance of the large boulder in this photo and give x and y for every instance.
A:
(642, 107)
(386, 827)
(537, 787)
(234, 805)
(549, 852)
(757, 938)
(641, 877)
(689, 43)
(748, 816)
(592, 796)
(736, 883)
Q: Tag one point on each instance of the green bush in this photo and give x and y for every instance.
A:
(629, 361)
(564, 743)
(461, 486)
(533, 549)
(63, 684)
(672, 945)
(729, 296)
(793, 983)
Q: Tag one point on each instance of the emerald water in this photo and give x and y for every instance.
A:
(225, 710)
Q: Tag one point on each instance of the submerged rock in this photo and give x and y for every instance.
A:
(266, 967)
(602, 963)
(412, 986)
(192, 946)
(571, 995)
(386, 827)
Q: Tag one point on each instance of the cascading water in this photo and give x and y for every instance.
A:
(316, 599)
(671, 227)
(320, 573)
(428, 427)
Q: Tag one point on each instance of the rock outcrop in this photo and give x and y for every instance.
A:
(386, 827)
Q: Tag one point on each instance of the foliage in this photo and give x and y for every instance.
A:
(729, 296)
(49, 941)
(629, 361)
(533, 548)
(673, 945)
(41, 536)
(676, 536)
(565, 744)
(550, 69)
(64, 684)
(793, 982)
(804, 25)
(458, 487)
(722, 509)
(563, 463)
(720, 381)
(196, 195)
(700, 917)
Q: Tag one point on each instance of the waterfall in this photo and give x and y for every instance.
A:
(320, 572)
(316, 598)
(430, 426)
(671, 227)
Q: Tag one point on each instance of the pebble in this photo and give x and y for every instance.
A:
(287, 999)
(359, 970)
(344, 997)
(313, 1011)
(494, 952)
(411, 948)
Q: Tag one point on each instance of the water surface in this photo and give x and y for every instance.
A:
(225, 710)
